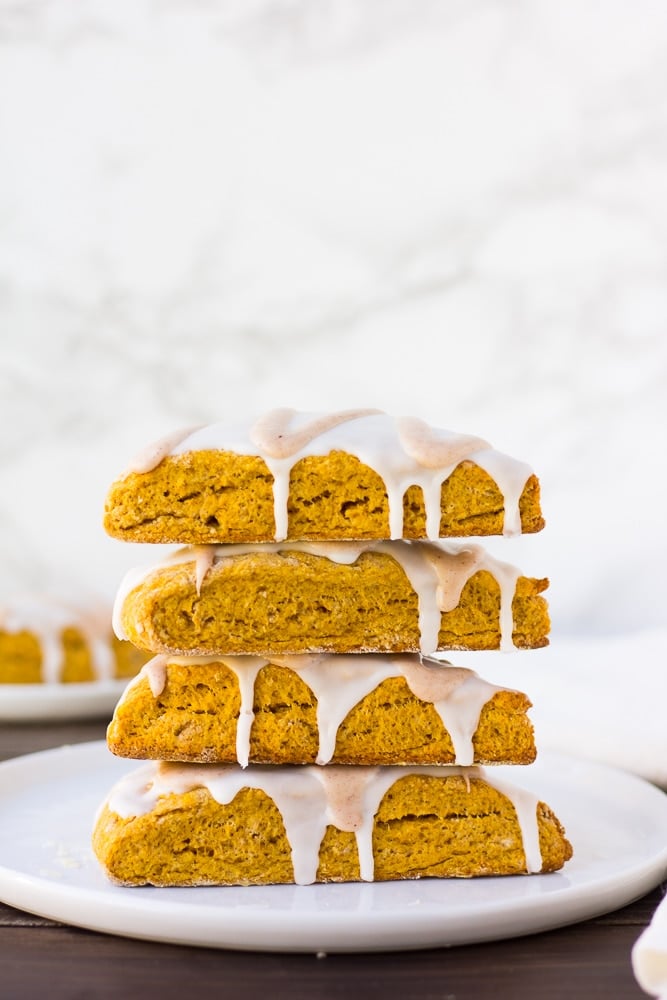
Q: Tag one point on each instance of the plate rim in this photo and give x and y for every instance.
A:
(60, 702)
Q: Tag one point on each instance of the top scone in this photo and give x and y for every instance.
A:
(352, 475)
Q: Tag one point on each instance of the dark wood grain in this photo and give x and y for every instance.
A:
(20, 738)
(42, 958)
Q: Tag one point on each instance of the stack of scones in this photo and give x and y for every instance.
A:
(298, 720)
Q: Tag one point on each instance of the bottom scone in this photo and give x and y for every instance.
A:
(188, 824)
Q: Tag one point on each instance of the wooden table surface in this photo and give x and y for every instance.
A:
(41, 958)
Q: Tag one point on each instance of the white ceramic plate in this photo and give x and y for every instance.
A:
(43, 702)
(616, 822)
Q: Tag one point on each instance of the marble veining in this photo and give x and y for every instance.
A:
(215, 206)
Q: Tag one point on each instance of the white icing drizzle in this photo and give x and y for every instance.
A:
(437, 572)
(280, 470)
(155, 672)
(513, 477)
(246, 679)
(271, 433)
(345, 787)
(277, 441)
(458, 696)
(453, 570)
(403, 451)
(46, 617)
(454, 567)
(245, 668)
(151, 456)
(309, 799)
(340, 682)
(204, 557)
(525, 805)
(352, 802)
(435, 449)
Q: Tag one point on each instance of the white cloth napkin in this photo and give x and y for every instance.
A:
(599, 698)
(649, 955)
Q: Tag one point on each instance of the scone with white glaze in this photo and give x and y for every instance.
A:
(336, 597)
(357, 709)
(357, 474)
(188, 824)
(47, 640)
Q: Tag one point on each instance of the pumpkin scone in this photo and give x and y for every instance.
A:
(46, 640)
(356, 474)
(337, 597)
(189, 824)
(358, 709)
(298, 725)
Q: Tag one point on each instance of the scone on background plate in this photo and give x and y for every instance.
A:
(45, 639)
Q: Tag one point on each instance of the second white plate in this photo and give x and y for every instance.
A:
(43, 702)
(617, 824)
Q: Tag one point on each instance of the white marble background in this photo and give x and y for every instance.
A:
(454, 209)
